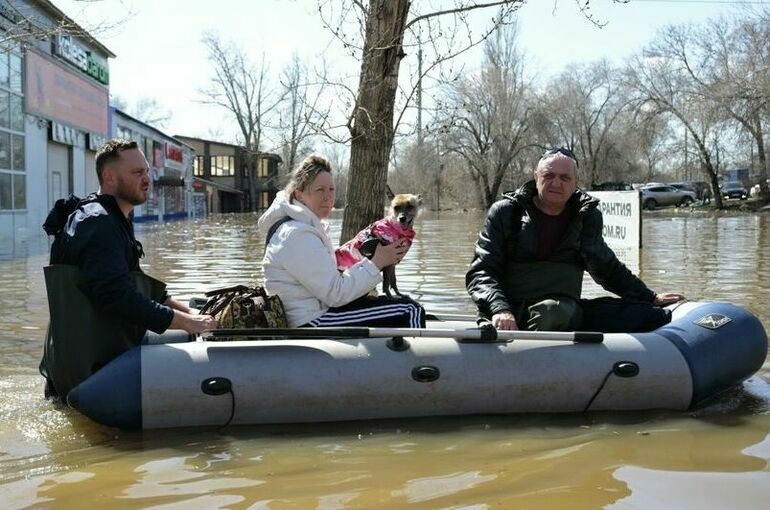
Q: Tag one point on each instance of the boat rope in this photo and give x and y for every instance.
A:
(232, 410)
(598, 390)
(624, 369)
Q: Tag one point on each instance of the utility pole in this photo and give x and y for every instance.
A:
(419, 93)
(686, 164)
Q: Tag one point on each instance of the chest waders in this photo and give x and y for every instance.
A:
(80, 338)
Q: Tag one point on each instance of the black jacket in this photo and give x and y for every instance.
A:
(99, 240)
(100, 302)
(506, 252)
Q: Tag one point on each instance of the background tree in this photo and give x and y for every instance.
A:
(145, 109)
(582, 104)
(303, 110)
(20, 24)
(739, 78)
(663, 84)
(487, 117)
(383, 24)
(243, 89)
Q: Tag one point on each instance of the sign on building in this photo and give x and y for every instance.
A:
(59, 95)
(70, 50)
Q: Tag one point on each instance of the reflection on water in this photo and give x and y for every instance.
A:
(713, 457)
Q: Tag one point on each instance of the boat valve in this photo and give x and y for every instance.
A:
(216, 386)
(625, 369)
(425, 373)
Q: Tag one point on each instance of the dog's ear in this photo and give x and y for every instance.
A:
(389, 192)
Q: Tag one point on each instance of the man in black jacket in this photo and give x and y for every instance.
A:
(527, 271)
(96, 236)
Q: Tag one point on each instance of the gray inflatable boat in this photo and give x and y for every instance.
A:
(707, 347)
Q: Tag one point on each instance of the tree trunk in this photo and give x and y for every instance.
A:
(372, 126)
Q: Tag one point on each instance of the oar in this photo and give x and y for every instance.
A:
(484, 335)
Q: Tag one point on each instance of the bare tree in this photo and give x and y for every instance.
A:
(382, 25)
(663, 81)
(583, 104)
(488, 115)
(739, 81)
(243, 89)
(303, 109)
(145, 109)
(20, 22)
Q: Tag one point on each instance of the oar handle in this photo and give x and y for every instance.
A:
(484, 335)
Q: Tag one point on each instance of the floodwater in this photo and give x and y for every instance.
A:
(715, 456)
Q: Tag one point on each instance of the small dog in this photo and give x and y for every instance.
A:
(396, 226)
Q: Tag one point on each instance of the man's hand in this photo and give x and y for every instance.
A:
(177, 305)
(192, 323)
(504, 321)
(668, 298)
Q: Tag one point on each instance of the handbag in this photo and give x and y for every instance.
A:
(243, 307)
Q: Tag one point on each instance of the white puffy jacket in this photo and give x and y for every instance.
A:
(300, 266)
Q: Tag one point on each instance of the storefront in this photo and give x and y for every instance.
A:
(54, 114)
(170, 163)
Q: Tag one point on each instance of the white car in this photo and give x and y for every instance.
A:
(661, 195)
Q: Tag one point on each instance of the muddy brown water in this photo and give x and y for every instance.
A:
(715, 456)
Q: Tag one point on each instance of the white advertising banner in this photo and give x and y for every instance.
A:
(622, 224)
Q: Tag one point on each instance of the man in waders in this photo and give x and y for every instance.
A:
(527, 270)
(100, 301)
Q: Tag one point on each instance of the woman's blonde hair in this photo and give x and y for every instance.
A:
(306, 173)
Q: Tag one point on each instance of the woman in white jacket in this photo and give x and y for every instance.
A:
(301, 268)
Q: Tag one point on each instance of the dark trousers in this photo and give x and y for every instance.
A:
(371, 311)
(605, 314)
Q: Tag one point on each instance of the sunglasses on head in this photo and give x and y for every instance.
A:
(562, 150)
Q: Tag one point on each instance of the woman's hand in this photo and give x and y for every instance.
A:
(388, 255)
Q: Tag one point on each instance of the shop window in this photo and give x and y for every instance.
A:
(15, 72)
(5, 151)
(19, 191)
(13, 181)
(17, 152)
(5, 76)
(17, 113)
(5, 191)
(5, 109)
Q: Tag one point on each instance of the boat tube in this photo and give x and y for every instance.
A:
(707, 347)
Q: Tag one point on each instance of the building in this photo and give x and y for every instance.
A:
(220, 172)
(170, 161)
(54, 113)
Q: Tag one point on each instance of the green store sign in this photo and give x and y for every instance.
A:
(67, 48)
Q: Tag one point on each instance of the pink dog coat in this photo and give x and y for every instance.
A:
(388, 229)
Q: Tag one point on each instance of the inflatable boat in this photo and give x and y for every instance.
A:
(452, 368)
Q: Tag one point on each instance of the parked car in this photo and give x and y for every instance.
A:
(734, 189)
(656, 196)
(613, 186)
(683, 186)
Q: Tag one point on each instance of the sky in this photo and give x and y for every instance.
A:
(159, 53)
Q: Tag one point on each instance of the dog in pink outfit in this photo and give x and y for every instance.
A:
(394, 227)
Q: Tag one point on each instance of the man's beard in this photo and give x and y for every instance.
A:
(127, 194)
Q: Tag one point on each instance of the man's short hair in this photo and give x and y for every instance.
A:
(550, 157)
(110, 152)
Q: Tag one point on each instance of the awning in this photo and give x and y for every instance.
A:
(198, 181)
